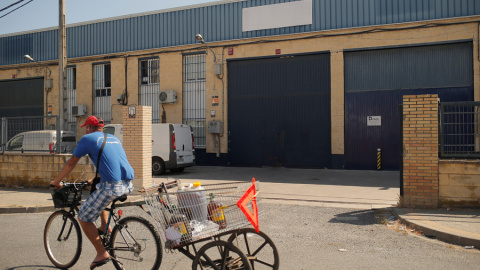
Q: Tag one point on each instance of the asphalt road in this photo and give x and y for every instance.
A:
(307, 237)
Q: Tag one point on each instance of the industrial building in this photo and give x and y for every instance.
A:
(301, 84)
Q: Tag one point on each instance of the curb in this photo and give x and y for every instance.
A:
(132, 201)
(26, 209)
(434, 232)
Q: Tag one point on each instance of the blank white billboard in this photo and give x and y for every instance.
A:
(278, 15)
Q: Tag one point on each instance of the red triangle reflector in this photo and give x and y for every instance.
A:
(248, 196)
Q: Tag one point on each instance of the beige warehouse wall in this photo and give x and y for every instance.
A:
(334, 42)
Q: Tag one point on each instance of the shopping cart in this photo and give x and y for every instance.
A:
(216, 218)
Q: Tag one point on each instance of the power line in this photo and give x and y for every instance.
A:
(11, 5)
(16, 8)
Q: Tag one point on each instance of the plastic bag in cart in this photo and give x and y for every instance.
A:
(177, 233)
(203, 229)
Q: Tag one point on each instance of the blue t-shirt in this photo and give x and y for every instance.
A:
(113, 165)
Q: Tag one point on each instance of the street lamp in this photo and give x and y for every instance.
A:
(199, 38)
(29, 58)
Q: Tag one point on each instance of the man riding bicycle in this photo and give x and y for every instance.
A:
(115, 172)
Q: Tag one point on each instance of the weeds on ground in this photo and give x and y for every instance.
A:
(387, 218)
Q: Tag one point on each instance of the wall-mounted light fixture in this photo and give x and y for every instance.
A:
(217, 68)
(199, 38)
(29, 58)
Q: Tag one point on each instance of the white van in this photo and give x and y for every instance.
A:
(42, 140)
(172, 146)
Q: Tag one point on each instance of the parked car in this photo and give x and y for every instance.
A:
(42, 140)
(172, 146)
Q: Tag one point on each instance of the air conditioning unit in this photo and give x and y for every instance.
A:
(167, 96)
(79, 110)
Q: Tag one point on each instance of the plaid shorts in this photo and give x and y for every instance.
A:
(106, 192)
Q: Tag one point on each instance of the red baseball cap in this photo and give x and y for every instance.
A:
(93, 121)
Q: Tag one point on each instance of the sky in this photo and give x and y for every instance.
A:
(38, 14)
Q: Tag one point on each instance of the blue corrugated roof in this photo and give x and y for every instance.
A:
(217, 21)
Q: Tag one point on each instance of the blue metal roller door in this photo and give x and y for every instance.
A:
(279, 112)
(375, 82)
(21, 97)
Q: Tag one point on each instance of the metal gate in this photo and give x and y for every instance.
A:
(279, 111)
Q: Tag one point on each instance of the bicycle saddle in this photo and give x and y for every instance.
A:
(121, 199)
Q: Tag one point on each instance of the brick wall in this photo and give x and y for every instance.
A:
(137, 142)
(420, 142)
(38, 170)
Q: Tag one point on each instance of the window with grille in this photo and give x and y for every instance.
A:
(194, 105)
(71, 97)
(102, 91)
(150, 85)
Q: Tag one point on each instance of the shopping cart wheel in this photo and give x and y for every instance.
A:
(220, 255)
(259, 248)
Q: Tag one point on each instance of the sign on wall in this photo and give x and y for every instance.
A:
(277, 15)
(374, 121)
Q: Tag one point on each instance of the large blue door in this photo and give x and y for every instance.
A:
(279, 112)
(375, 82)
(364, 140)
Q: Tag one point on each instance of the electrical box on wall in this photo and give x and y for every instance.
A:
(217, 69)
(79, 110)
(49, 84)
(215, 127)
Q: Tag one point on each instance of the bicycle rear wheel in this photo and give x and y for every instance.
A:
(135, 244)
(62, 239)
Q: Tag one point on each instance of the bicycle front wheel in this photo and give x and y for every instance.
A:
(62, 239)
(135, 244)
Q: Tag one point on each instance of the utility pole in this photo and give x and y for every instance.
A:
(62, 61)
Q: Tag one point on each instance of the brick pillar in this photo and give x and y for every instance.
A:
(137, 142)
(420, 142)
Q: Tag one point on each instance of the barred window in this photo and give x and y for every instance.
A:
(194, 104)
(149, 71)
(102, 91)
(150, 85)
(71, 97)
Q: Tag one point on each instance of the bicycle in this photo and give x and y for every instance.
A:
(133, 243)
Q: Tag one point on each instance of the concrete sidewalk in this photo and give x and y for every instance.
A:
(327, 188)
(455, 226)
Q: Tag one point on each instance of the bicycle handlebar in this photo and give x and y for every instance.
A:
(75, 184)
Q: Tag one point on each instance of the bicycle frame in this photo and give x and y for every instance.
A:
(71, 212)
(105, 239)
(59, 238)
(73, 208)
